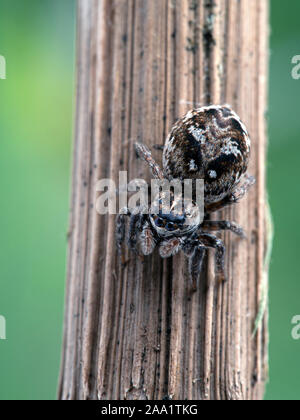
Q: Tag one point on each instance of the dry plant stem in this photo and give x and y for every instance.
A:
(135, 331)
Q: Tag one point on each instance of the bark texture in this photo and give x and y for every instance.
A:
(136, 332)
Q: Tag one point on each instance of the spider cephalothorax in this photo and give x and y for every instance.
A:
(181, 218)
(209, 143)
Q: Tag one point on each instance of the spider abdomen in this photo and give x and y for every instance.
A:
(209, 143)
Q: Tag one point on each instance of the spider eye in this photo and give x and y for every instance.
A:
(159, 222)
(170, 226)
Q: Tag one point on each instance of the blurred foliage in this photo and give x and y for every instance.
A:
(36, 107)
(283, 161)
(36, 112)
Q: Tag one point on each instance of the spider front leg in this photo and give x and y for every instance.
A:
(170, 247)
(212, 241)
(147, 239)
(121, 232)
(194, 250)
(144, 153)
(217, 226)
(137, 219)
(121, 228)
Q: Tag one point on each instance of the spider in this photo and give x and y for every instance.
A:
(209, 143)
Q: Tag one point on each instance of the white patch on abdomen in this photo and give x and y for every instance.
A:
(212, 174)
(231, 149)
(197, 134)
(193, 166)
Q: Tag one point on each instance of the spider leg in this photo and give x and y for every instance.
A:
(120, 231)
(195, 265)
(147, 239)
(159, 147)
(212, 241)
(212, 207)
(240, 191)
(223, 225)
(135, 227)
(232, 198)
(120, 228)
(144, 153)
(170, 247)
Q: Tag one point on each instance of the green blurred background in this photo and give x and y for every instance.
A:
(36, 110)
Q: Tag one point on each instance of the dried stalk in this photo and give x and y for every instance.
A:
(135, 332)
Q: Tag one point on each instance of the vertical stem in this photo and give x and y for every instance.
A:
(135, 332)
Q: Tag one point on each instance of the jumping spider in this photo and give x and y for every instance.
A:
(210, 143)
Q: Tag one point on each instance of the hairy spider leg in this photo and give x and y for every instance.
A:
(195, 265)
(212, 241)
(219, 225)
(135, 228)
(147, 239)
(170, 247)
(144, 153)
(241, 190)
(232, 198)
(121, 231)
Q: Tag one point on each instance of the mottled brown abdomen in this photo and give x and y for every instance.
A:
(209, 143)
